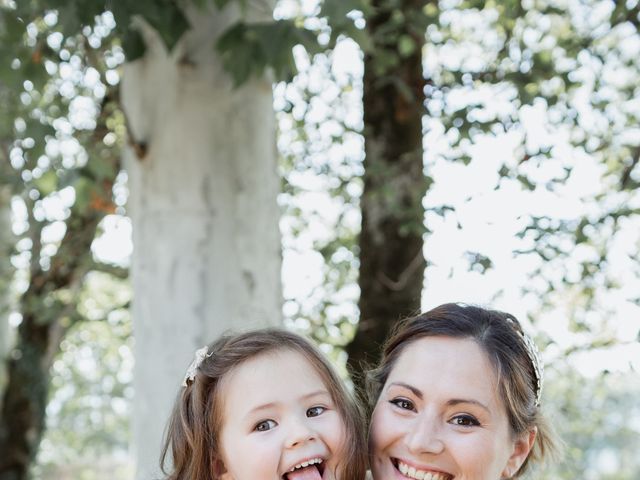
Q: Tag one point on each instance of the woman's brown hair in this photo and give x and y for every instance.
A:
(191, 444)
(501, 337)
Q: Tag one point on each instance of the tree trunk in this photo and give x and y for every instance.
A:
(203, 201)
(391, 260)
(49, 309)
(6, 275)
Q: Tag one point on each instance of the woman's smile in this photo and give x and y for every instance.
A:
(420, 472)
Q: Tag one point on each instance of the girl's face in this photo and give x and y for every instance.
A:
(279, 421)
(439, 417)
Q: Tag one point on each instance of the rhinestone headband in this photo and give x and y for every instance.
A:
(534, 357)
(199, 357)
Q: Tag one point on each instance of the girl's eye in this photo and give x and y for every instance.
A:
(264, 425)
(403, 403)
(465, 421)
(315, 411)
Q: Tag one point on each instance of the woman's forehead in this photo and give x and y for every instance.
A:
(446, 366)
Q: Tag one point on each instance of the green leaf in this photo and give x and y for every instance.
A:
(170, 23)
(68, 20)
(248, 49)
(47, 183)
(220, 4)
(83, 188)
(133, 45)
(406, 46)
(100, 169)
(12, 28)
(201, 4)
(336, 11)
(361, 37)
(240, 54)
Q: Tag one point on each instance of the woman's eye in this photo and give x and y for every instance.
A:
(264, 425)
(403, 403)
(315, 411)
(465, 421)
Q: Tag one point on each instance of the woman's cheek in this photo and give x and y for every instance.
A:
(383, 427)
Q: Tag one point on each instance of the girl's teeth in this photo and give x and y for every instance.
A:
(313, 461)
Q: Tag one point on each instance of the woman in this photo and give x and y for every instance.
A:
(457, 396)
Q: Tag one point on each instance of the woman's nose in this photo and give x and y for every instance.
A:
(425, 436)
(299, 432)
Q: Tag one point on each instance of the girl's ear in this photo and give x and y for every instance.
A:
(220, 472)
(521, 448)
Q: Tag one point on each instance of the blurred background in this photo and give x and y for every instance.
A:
(427, 152)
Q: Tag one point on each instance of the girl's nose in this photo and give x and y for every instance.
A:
(425, 437)
(298, 433)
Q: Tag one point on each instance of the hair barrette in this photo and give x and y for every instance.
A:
(534, 357)
(199, 357)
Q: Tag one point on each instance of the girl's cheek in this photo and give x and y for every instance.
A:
(340, 437)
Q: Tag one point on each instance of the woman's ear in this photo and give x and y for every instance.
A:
(521, 448)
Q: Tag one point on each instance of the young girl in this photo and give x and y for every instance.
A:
(264, 405)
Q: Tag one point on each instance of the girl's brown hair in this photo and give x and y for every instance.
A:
(500, 335)
(192, 436)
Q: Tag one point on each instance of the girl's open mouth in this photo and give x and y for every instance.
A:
(308, 470)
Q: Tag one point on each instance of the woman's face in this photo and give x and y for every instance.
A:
(439, 417)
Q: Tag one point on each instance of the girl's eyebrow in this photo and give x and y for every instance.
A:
(317, 393)
(264, 406)
(267, 406)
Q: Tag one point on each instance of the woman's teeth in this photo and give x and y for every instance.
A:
(411, 472)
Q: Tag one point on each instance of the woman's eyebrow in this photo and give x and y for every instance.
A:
(457, 401)
(413, 389)
(452, 402)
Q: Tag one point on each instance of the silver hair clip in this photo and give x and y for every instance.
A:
(199, 357)
(534, 357)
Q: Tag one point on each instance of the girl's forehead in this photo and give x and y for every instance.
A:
(270, 384)
(273, 371)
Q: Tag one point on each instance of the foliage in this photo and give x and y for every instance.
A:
(533, 77)
(597, 418)
(60, 158)
(551, 62)
(247, 50)
(321, 167)
(89, 407)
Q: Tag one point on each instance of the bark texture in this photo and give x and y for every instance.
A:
(203, 201)
(391, 260)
